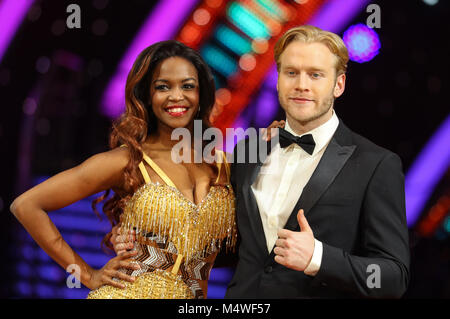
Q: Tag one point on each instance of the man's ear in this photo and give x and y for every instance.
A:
(339, 87)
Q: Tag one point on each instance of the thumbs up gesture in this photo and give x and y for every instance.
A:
(295, 249)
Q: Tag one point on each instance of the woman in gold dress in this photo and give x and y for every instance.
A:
(179, 213)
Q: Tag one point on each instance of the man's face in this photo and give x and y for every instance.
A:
(307, 84)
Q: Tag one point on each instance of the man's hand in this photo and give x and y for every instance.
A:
(270, 131)
(122, 242)
(295, 249)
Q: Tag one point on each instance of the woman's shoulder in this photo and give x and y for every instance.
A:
(109, 165)
(120, 154)
(114, 160)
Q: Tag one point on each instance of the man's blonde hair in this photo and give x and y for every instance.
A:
(311, 34)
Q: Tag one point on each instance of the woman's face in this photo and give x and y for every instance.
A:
(174, 93)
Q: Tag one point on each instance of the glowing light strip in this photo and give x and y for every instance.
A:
(272, 9)
(270, 20)
(247, 21)
(11, 15)
(232, 40)
(336, 14)
(162, 24)
(435, 216)
(426, 171)
(219, 60)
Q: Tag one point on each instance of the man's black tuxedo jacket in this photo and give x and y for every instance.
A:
(355, 205)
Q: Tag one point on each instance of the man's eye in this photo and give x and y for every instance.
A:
(316, 75)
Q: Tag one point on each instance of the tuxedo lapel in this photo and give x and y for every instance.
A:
(251, 206)
(254, 217)
(334, 158)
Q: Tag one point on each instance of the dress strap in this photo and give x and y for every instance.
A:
(144, 173)
(227, 166)
(221, 163)
(142, 169)
(159, 171)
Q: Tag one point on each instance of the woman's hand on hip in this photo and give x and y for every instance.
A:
(105, 275)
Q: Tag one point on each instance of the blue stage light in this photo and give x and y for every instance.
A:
(447, 224)
(24, 270)
(233, 40)
(45, 290)
(74, 293)
(247, 21)
(219, 60)
(362, 42)
(272, 9)
(28, 252)
(51, 273)
(23, 288)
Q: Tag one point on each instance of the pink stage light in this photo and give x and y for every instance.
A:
(11, 15)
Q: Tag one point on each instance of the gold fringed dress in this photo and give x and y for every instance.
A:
(177, 241)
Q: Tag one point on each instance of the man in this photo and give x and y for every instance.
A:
(324, 218)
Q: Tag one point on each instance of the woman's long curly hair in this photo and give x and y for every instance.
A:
(138, 121)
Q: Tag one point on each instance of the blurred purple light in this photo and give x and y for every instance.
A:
(51, 272)
(24, 270)
(335, 14)
(28, 252)
(23, 288)
(44, 290)
(75, 293)
(429, 167)
(11, 15)
(362, 43)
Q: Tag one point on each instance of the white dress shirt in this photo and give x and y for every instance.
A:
(281, 180)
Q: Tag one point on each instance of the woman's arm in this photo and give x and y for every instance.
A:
(98, 173)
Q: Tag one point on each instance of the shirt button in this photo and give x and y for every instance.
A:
(268, 269)
(272, 222)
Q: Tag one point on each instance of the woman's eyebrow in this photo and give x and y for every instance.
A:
(189, 79)
(160, 80)
(167, 81)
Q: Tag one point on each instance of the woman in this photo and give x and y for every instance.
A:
(180, 213)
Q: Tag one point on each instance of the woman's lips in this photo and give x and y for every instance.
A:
(177, 111)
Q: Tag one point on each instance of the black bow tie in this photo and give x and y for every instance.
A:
(306, 141)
